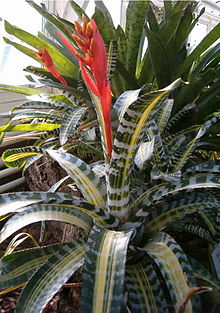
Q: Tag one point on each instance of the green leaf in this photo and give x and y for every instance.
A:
(29, 52)
(104, 269)
(64, 66)
(210, 38)
(20, 89)
(78, 10)
(190, 92)
(54, 20)
(55, 272)
(135, 18)
(28, 127)
(205, 60)
(104, 24)
(70, 122)
(202, 273)
(160, 61)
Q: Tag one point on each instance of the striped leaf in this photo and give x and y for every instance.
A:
(145, 293)
(47, 281)
(144, 153)
(18, 202)
(159, 153)
(17, 157)
(173, 266)
(158, 192)
(45, 212)
(70, 122)
(40, 115)
(103, 287)
(83, 176)
(212, 166)
(18, 267)
(168, 212)
(202, 273)
(124, 101)
(191, 145)
(126, 143)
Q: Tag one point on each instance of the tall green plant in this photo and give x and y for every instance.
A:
(145, 182)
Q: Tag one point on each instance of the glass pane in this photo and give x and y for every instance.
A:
(197, 34)
(12, 62)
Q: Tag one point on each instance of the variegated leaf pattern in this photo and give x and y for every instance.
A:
(18, 267)
(162, 190)
(70, 122)
(173, 265)
(144, 153)
(163, 114)
(17, 157)
(167, 212)
(89, 184)
(159, 153)
(40, 115)
(14, 202)
(46, 282)
(104, 269)
(44, 212)
(189, 148)
(123, 102)
(145, 293)
(212, 166)
(126, 143)
(202, 273)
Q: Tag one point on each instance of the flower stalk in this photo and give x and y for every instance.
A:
(92, 58)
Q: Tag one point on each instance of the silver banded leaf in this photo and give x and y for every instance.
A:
(103, 287)
(46, 282)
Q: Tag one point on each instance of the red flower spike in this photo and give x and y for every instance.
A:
(48, 63)
(95, 60)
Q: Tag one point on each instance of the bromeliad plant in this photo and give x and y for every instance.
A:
(130, 66)
(144, 183)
